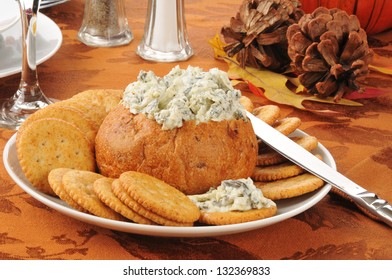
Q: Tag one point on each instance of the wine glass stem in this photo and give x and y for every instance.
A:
(29, 86)
(28, 98)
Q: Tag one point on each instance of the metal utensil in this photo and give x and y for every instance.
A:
(50, 3)
(368, 201)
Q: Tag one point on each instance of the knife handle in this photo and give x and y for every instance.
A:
(378, 208)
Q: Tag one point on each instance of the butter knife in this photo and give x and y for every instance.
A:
(367, 201)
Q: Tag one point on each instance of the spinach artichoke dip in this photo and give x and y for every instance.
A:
(183, 95)
(232, 195)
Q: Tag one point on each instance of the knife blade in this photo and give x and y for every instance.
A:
(377, 207)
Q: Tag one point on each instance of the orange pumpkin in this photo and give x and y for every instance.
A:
(374, 15)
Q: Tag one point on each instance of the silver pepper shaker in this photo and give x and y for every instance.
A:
(165, 36)
(105, 24)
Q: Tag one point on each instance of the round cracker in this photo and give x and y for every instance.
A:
(236, 217)
(307, 142)
(271, 157)
(276, 172)
(290, 187)
(108, 98)
(119, 191)
(49, 143)
(103, 189)
(287, 125)
(247, 103)
(267, 113)
(97, 103)
(55, 181)
(159, 197)
(72, 115)
(79, 186)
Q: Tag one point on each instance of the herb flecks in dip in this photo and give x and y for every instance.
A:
(232, 195)
(183, 95)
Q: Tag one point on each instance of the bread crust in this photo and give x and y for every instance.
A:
(192, 158)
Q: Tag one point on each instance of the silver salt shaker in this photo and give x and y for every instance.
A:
(165, 36)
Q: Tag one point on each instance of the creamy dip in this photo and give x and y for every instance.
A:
(232, 195)
(183, 95)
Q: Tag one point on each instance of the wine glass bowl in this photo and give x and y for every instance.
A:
(29, 97)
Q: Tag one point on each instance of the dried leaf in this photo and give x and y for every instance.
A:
(270, 84)
(385, 70)
(381, 64)
(236, 82)
(275, 89)
(256, 90)
(368, 93)
(217, 45)
(300, 89)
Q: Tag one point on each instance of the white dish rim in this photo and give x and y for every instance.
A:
(15, 14)
(305, 202)
(45, 24)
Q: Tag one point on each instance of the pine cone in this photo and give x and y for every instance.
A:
(329, 52)
(257, 34)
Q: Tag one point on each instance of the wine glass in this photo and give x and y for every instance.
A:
(29, 96)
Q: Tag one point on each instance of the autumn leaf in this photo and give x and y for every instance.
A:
(217, 44)
(368, 93)
(256, 90)
(385, 70)
(269, 84)
(381, 64)
(275, 88)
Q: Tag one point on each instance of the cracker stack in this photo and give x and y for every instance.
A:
(134, 197)
(277, 177)
(62, 135)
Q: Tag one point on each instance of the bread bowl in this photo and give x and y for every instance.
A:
(193, 155)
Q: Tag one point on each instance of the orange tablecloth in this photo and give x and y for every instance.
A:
(360, 139)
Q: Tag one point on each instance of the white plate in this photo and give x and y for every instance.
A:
(9, 14)
(49, 39)
(286, 208)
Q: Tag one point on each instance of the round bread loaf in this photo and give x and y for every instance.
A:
(191, 158)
